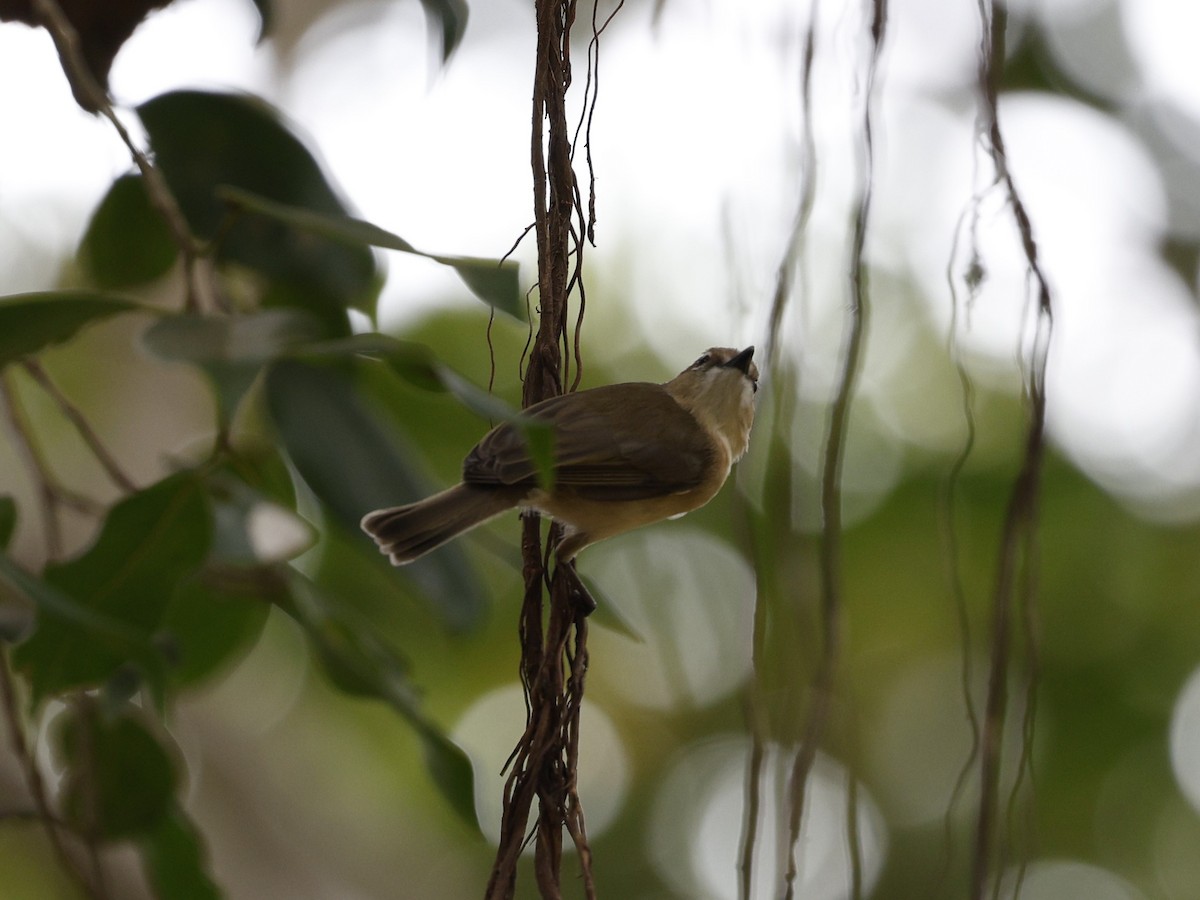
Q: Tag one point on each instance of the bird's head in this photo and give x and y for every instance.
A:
(718, 389)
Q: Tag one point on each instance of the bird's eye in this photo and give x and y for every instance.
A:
(703, 360)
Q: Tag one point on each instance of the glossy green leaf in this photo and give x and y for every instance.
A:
(203, 141)
(360, 663)
(233, 350)
(149, 542)
(8, 520)
(175, 860)
(492, 281)
(29, 323)
(120, 781)
(354, 462)
(126, 242)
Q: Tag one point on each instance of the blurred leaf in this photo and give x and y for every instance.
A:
(53, 603)
(451, 770)
(337, 227)
(29, 323)
(335, 440)
(354, 463)
(232, 351)
(609, 614)
(413, 362)
(126, 242)
(8, 520)
(417, 365)
(249, 529)
(476, 399)
(149, 542)
(120, 781)
(451, 16)
(214, 617)
(202, 141)
(263, 468)
(175, 862)
(492, 281)
(359, 663)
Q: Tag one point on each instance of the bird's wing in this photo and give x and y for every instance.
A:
(621, 442)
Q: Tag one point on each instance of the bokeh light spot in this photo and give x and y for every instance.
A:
(489, 729)
(698, 817)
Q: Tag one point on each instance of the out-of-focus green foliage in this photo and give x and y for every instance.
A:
(126, 242)
(203, 141)
(29, 323)
(493, 282)
(182, 573)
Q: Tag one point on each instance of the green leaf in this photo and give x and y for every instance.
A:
(232, 351)
(126, 242)
(451, 770)
(52, 603)
(120, 781)
(413, 362)
(360, 664)
(354, 463)
(451, 16)
(417, 365)
(215, 617)
(175, 860)
(342, 228)
(149, 542)
(492, 281)
(251, 530)
(8, 520)
(29, 323)
(609, 614)
(202, 141)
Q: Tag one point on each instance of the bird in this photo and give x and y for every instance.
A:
(624, 456)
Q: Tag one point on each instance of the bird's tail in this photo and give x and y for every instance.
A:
(406, 533)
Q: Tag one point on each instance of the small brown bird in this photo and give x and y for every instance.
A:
(625, 455)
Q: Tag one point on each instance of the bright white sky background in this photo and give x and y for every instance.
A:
(696, 147)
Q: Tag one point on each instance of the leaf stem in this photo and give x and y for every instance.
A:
(91, 92)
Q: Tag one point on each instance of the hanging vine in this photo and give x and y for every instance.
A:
(554, 656)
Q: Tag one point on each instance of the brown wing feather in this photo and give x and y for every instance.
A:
(600, 447)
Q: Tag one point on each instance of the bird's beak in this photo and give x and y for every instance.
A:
(741, 362)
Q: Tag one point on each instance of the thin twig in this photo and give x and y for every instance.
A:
(66, 40)
(51, 493)
(1017, 540)
(948, 517)
(34, 780)
(831, 499)
(81, 424)
(778, 514)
